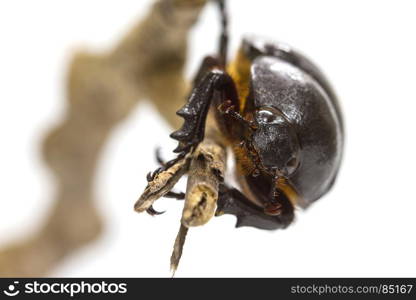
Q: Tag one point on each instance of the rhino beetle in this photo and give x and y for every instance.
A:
(279, 115)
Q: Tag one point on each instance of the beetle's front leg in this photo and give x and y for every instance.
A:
(215, 83)
(232, 201)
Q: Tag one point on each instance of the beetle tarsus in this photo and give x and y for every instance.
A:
(178, 196)
(149, 176)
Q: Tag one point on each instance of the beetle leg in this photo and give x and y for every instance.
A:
(189, 136)
(170, 194)
(214, 83)
(196, 109)
(232, 201)
(228, 108)
(177, 196)
(151, 211)
(159, 158)
(149, 176)
(164, 165)
(223, 44)
(161, 182)
(208, 64)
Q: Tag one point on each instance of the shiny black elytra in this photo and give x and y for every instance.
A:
(281, 118)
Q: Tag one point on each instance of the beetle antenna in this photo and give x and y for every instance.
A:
(223, 45)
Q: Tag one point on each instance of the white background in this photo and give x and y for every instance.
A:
(364, 227)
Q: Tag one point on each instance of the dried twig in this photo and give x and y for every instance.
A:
(177, 248)
(206, 172)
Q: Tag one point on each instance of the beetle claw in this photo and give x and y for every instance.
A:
(159, 158)
(153, 212)
(149, 177)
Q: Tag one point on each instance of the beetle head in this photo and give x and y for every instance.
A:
(275, 142)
